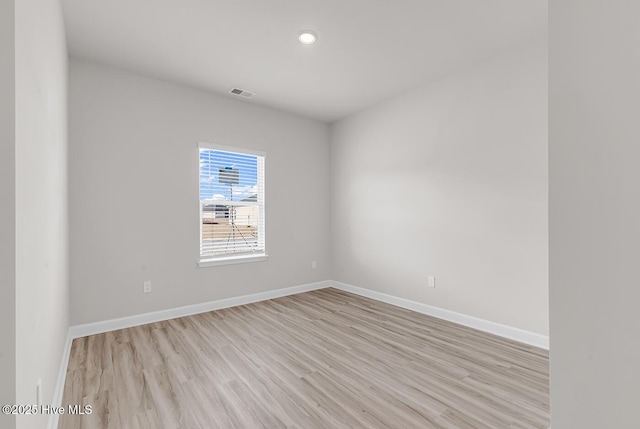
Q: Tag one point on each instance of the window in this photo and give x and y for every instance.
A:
(231, 205)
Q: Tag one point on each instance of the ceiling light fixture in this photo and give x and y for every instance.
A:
(307, 37)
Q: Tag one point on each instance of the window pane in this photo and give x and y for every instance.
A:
(231, 203)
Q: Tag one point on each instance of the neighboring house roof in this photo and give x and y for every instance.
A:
(214, 208)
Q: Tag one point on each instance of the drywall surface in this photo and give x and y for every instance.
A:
(7, 211)
(134, 194)
(42, 287)
(450, 180)
(594, 213)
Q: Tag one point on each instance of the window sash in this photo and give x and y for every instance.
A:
(232, 228)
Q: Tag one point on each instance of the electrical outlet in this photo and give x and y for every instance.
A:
(314, 265)
(432, 281)
(147, 286)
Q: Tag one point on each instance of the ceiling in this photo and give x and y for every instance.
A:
(367, 50)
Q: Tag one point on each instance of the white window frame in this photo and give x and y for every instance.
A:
(212, 261)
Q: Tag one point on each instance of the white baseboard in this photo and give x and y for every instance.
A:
(79, 331)
(516, 334)
(62, 375)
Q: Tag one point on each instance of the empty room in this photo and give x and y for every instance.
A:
(331, 214)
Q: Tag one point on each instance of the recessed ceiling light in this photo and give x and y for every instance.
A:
(307, 37)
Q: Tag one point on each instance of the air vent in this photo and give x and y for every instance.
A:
(242, 93)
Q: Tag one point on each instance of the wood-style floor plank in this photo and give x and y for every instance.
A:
(322, 359)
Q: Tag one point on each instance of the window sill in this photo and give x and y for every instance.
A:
(232, 260)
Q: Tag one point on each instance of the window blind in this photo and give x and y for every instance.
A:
(232, 221)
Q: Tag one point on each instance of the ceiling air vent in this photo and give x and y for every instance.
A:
(242, 93)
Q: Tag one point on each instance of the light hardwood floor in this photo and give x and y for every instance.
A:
(322, 359)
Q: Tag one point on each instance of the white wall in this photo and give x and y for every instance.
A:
(42, 287)
(594, 214)
(134, 194)
(450, 180)
(7, 211)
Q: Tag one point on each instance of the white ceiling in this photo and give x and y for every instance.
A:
(367, 50)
